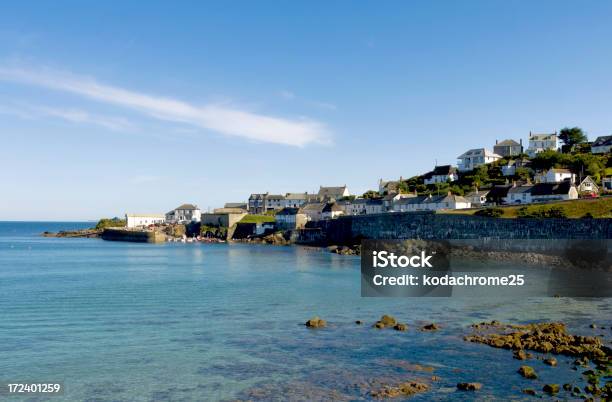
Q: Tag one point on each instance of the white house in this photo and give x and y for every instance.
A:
(554, 192)
(602, 145)
(333, 193)
(388, 187)
(331, 211)
(363, 206)
(476, 157)
(296, 200)
(541, 142)
(555, 176)
(143, 220)
(477, 198)
(431, 203)
(519, 195)
(184, 214)
(588, 186)
(441, 174)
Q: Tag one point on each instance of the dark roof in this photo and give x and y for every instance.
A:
(288, 211)
(275, 196)
(551, 188)
(602, 141)
(332, 207)
(521, 189)
(498, 192)
(443, 170)
(189, 207)
(313, 206)
(412, 200)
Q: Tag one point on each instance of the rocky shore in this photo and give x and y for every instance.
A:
(547, 342)
(88, 233)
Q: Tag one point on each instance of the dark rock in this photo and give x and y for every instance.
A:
(316, 322)
(469, 386)
(358, 322)
(520, 355)
(529, 391)
(527, 372)
(567, 387)
(430, 327)
(400, 327)
(551, 388)
(379, 325)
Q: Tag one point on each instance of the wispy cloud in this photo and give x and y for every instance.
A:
(28, 111)
(289, 96)
(219, 118)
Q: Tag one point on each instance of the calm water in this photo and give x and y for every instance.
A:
(127, 321)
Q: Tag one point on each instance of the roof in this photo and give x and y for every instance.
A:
(299, 196)
(145, 215)
(508, 143)
(235, 205)
(313, 206)
(499, 191)
(555, 170)
(288, 211)
(367, 201)
(229, 211)
(602, 141)
(551, 188)
(478, 193)
(275, 197)
(444, 170)
(478, 152)
(257, 196)
(445, 198)
(521, 189)
(189, 207)
(332, 207)
(412, 200)
(542, 137)
(331, 191)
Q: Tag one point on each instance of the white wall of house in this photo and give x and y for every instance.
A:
(137, 220)
(539, 143)
(555, 176)
(441, 178)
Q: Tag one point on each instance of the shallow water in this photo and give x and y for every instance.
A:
(128, 321)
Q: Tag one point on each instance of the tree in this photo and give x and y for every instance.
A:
(572, 136)
(371, 194)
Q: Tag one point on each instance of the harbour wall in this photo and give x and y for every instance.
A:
(347, 230)
(138, 236)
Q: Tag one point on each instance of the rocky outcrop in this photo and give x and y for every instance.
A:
(469, 386)
(430, 327)
(316, 322)
(542, 337)
(404, 389)
(527, 372)
(386, 321)
(88, 233)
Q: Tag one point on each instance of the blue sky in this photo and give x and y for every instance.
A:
(113, 108)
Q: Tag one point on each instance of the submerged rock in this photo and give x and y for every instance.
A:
(430, 327)
(358, 322)
(521, 355)
(469, 386)
(402, 389)
(551, 361)
(529, 391)
(527, 372)
(315, 322)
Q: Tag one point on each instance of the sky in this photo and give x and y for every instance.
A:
(114, 107)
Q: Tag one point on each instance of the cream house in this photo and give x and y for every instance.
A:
(555, 176)
(441, 174)
(183, 214)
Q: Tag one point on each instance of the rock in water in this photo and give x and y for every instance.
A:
(388, 320)
(430, 327)
(527, 372)
(520, 355)
(469, 386)
(551, 361)
(316, 322)
(400, 327)
(551, 388)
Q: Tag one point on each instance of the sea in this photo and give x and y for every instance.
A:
(118, 321)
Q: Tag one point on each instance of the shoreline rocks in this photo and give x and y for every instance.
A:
(469, 386)
(315, 322)
(403, 389)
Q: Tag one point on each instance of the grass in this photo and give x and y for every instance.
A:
(597, 207)
(250, 218)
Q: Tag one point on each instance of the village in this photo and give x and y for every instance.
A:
(559, 166)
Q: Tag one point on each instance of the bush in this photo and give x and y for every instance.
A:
(490, 212)
(542, 212)
(110, 223)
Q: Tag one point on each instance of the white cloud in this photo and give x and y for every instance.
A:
(219, 118)
(27, 111)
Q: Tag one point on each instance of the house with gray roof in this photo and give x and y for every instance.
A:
(184, 213)
(507, 148)
(332, 193)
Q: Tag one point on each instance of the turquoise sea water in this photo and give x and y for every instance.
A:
(172, 322)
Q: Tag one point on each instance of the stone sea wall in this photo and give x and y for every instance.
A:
(427, 225)
(133, 236)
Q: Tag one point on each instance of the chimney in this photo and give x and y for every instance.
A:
(530, 134)
(496, 142)
(521, 141)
